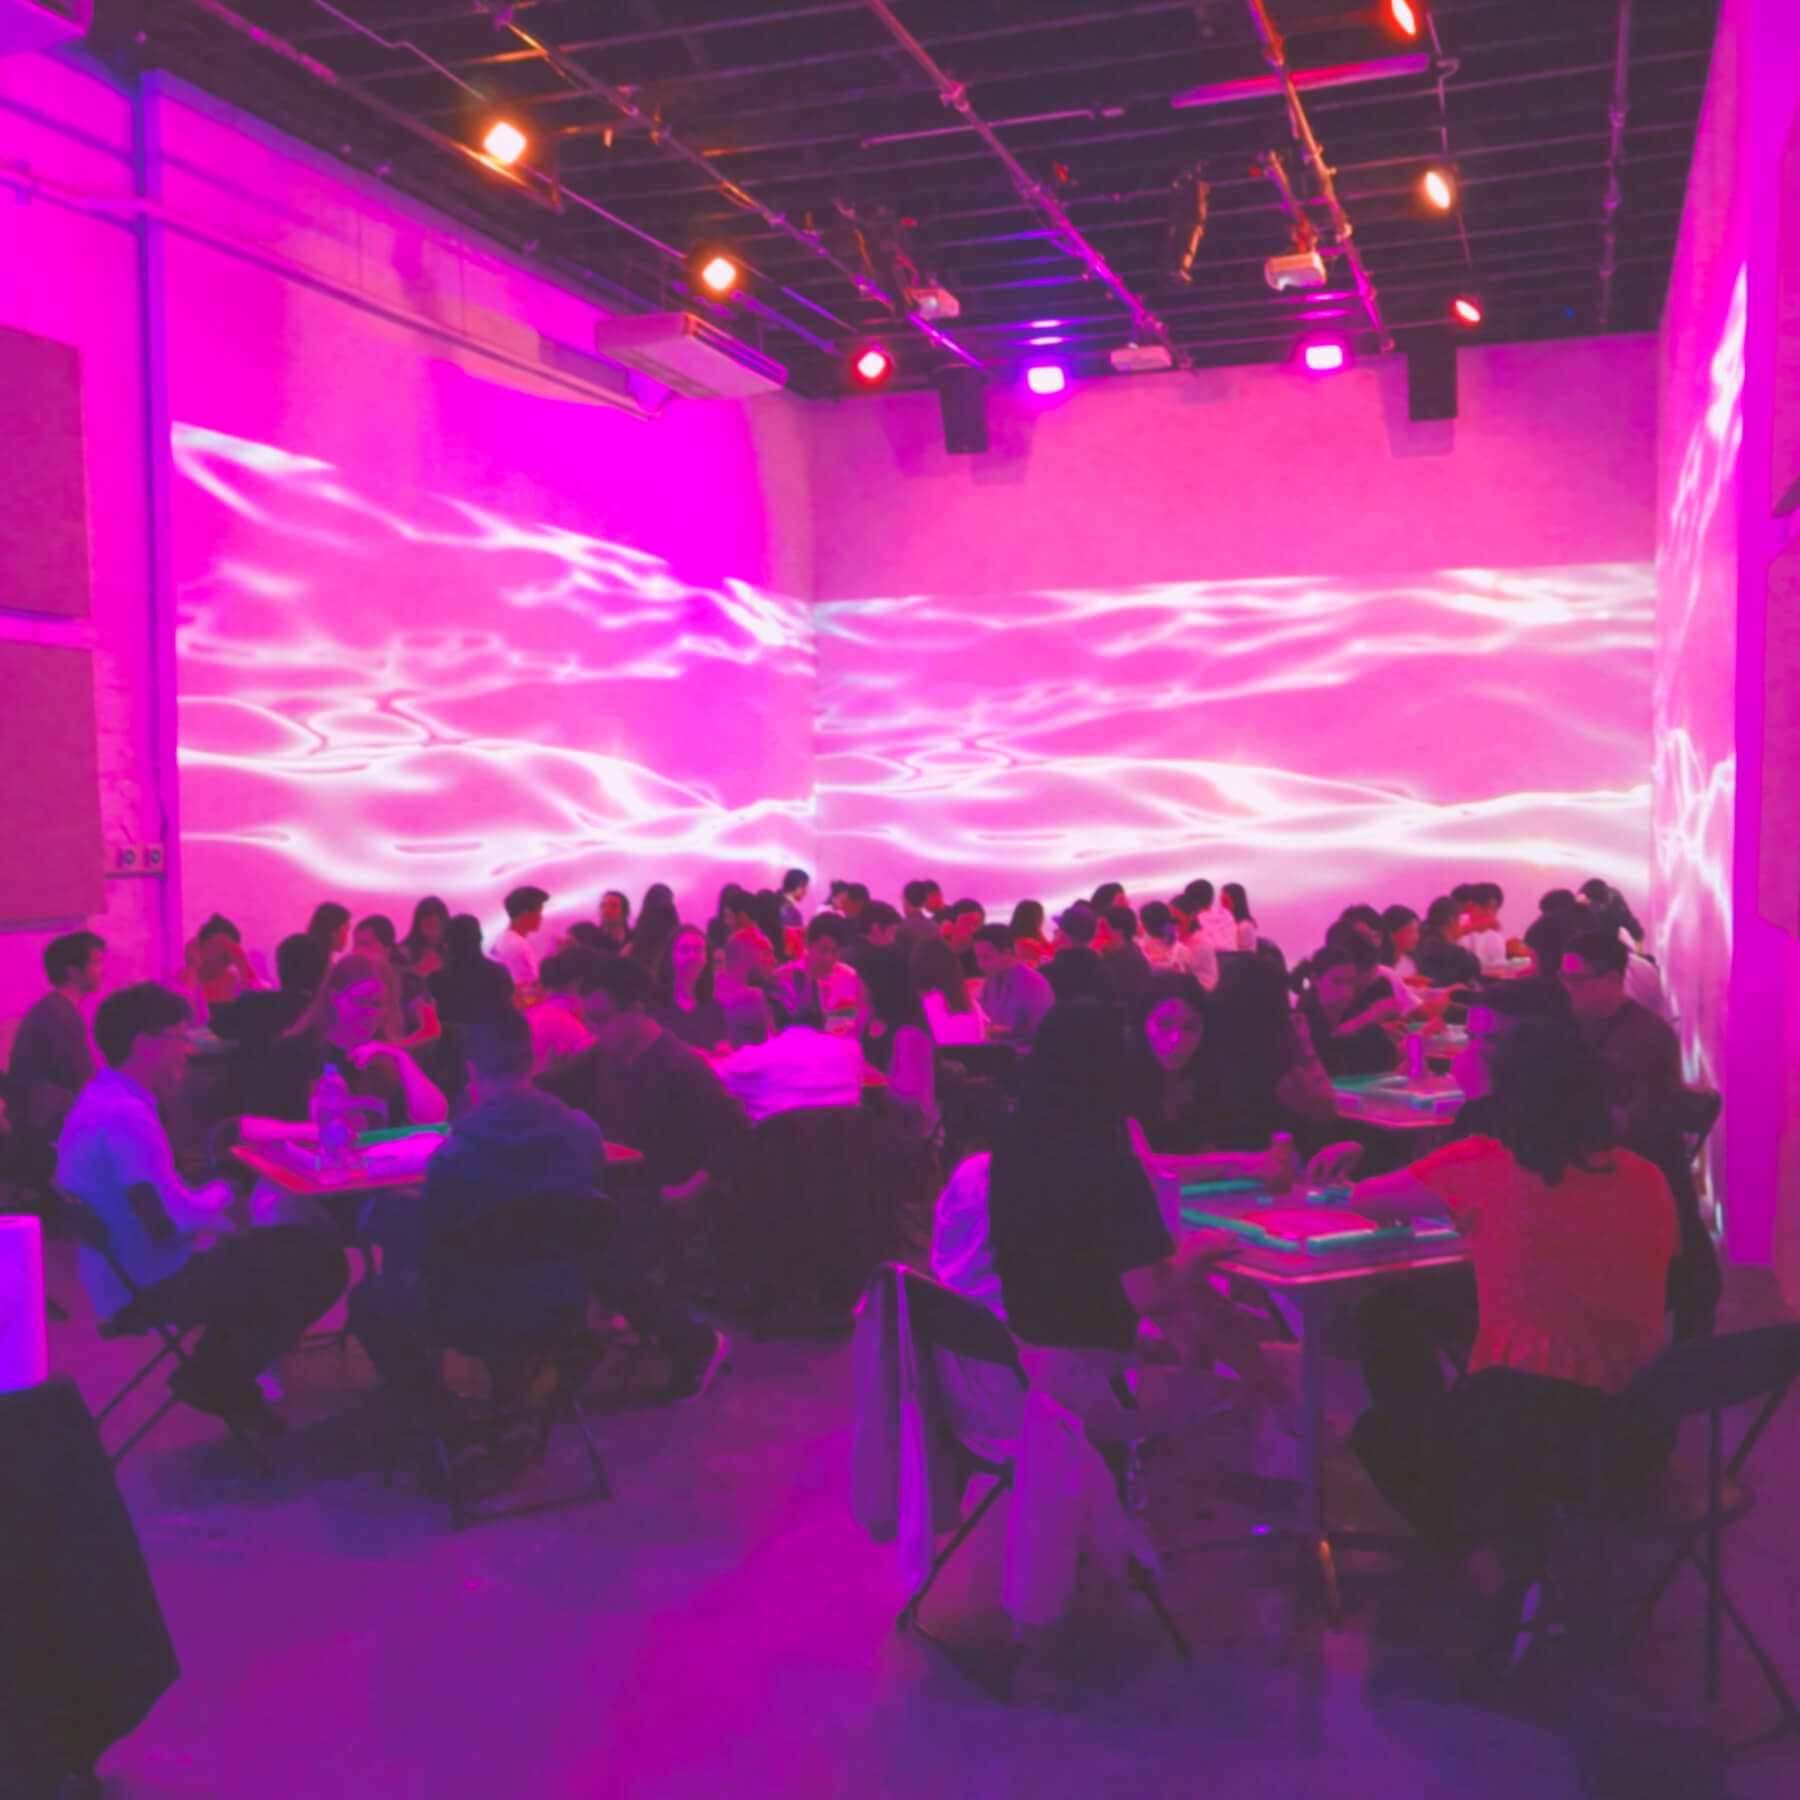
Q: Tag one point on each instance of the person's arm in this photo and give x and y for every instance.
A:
(1211, 1165)
(144, 1166)
(1303, 1087)
(425, 1102)
(717, 1119)
(1392, 1199)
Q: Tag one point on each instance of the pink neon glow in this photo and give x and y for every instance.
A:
(380, 701)
(1323, 358)
(872, 366)
(1046, 378)
(1320, 740)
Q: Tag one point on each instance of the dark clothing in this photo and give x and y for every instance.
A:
(701, 1029)
(51, 1063)
(911, 931)
(1475, 1118)
(1177, 1110)
(1128, 974)
(463, 992)
(278, 1079)
(666, 1103)
(1068, 1218)
(256, 1019)
(1016, 1000)
(255, 1292)
(1369, 1051)
(1444, 964)
(1076, 972)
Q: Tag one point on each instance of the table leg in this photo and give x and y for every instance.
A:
(1315, 1544)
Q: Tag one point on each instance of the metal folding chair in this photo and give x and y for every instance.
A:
(91, 1233)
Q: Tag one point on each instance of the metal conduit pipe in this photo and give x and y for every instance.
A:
(1621, 106)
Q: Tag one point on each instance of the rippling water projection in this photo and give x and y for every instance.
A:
(382, 700)
(1319, 740)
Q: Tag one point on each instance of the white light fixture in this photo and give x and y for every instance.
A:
(505, 142)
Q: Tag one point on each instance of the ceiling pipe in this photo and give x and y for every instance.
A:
(1303, 133)
(1146, 326)
(1621, 106)
(665, 140)
(1268, 87)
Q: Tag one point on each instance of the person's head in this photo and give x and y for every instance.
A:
(1443, 918)
(1172, 1019)
(75, 962)
(994, 952)
(142, 1031)
(1558, 900)
(1593, 970)
(1073, 1083)
(1549, 1102)
(1157, 921)
(430, 918)
(1484, 903)
(1121, 926)
(919, 897)
(300, 964)
(749, 957)
(352, 1004)
(1596, 892)
(853, 899)
(1028, 920)
(462, 939)
(1495, 1012)
(1550, 932)
(763, 909)
(613, 990)
(374, 937)
(525, 909)
(732, 903)
(1400, 924)
(1237, 902)
(688, 963)
(878, 922)
(1106, 896)
(656, 925)
(1078, 924)
(615, 912)
(962, 922)
(794, 885)
(330, 924)
(1199, 895)
(1340, 972)
(500, 1055)
(936, 969)
(556, 974)
(659, 893)
(826, 937)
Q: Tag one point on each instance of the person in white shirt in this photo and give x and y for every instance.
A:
(1401, 924)
(822, 982)
(1237, 903)
(1164, 949)
(254, 1290)
(1482, 901)
(1215, 923)
(512, 949)
(950, 1015)
(558, 1029)
(800, 1065)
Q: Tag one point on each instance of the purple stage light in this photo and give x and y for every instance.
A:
(1045, 378)
(1322, 359)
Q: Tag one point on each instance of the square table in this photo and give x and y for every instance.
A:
(289, 1165)
(1312, 1281)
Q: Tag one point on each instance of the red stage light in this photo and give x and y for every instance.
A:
(1466, 311)
(872, 366)
(1404, 16)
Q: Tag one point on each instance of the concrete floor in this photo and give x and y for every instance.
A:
(721, 1628)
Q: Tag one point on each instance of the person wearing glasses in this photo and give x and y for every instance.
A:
(1640, 1056)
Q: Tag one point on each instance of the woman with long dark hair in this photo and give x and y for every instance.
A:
(422, 949)
(1236, 902)
(1029, 943)
(1571, 1241)
(655, 927)
(1439, 957)
(330, 924)
(943, 991)
(684, 979)
(1346, 1001)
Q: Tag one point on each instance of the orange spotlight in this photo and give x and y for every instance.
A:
(1439, 189)
(719, 274)
(1404, 16)
(505, 142)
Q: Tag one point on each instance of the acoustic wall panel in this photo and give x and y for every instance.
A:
(52, 862)
(43, 497)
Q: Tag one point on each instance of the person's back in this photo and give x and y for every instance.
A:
(799, 1066)
(962, 1251)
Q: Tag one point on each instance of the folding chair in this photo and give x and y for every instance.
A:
(539, 1229)
(92, 1234)
(943, 1320)
(1710, 1376)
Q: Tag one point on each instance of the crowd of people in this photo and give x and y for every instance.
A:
(1129, 1045)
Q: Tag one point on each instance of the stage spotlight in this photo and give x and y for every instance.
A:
(1323, 358)
(1466, 310)
(1404, 17)
(719, 274)
(505, 142)
(1440, 189)
(1045, 378)
(871, 366)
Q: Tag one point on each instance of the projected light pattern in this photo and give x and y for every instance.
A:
(1319, 740)
(380, 701)
(1695, 700)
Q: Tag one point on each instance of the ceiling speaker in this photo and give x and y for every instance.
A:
(962, 396)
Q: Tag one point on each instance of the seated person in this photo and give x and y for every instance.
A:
(422, 949)
(822, 982)
(962, 1251)
(512, 948)
(800, 1064)
(558, 1030)
(255, 1020)
(470, 985)
(1165, 949)
(1080, 1245)
(1075, 972)
(1570, 1241)
(960, 924)
(685, 982)
(1261, 1061)
(255, 1291)
(646, 1089)
(1179, 1100)
(950, 1015)
(1030, 944)
(1014, 996)
(1439, 956)
(793, 896)
(1640, 1061)
(1482, 932)
(745, 977)
(1126, 967)
(215, 968)
(1495, 1011)
(1361, 925)
(51, 1062)
(1346, 1003)
(339, 1030)
(515, 1144)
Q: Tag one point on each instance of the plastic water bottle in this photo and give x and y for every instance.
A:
(1415, 1056)
(1282, 1145)
(331, 1120)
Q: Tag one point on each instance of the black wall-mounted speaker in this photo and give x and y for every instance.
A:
(962, 396)
(1431, 380)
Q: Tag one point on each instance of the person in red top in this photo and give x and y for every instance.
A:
(1570, 1241)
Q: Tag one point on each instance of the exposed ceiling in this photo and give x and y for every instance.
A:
(657, 125)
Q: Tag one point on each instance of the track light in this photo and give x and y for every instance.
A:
(712, 271)
(1404, 17)
(871, 366)
(505, 142)
(1465, 309)
(1439, 188)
